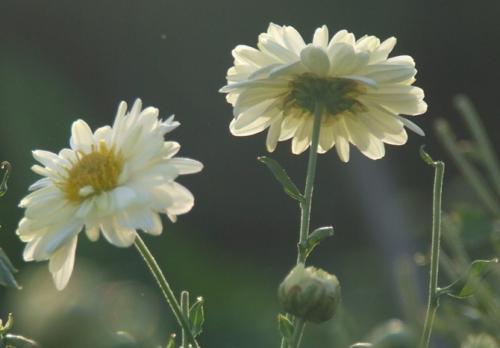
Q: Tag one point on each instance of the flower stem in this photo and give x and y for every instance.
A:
(305, 209)
(165, 289)
(433, 300)
(297, 334)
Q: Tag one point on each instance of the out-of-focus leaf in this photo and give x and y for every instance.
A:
(362, 345)
(197, 317)
(316, 237)
(19, 341)
(281, 175)
(171, 341)
(286, 327)
(473, 225)
(464, 287)
(6, 271)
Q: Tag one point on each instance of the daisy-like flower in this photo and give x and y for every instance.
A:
(362, 92)
(112, 181)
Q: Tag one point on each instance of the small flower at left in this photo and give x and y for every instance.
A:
(113, 181)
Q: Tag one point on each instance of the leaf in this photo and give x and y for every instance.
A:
(197, 317)
(281, 175)
(171, 341)
(286, 327)
(6, 271)
(361, 345)
(465, 286)
(316, 237)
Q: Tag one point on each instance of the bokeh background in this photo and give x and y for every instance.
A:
(63, 60)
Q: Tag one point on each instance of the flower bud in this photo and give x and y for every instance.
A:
(310, 293)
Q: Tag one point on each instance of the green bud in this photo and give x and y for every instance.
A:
(310, 293)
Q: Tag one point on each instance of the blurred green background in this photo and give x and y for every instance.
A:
(62, 60)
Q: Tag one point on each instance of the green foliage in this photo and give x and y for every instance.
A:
(6, 271)
(286, 327)
(171, 341)
(315, 238)
(197, 317)
(283, 178)
(465, 286)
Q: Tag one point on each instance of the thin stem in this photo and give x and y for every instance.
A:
(305, 207)
(305, 216)
(165, 289)
(432, 303)
(297, 334)
(185, 311)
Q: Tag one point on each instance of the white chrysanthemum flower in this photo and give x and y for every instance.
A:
(115, 181)
(362, 91)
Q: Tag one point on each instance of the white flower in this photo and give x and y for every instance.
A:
(115, 181)
(362, 91)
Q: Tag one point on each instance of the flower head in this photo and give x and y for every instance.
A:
(362, 92)
(112, 181)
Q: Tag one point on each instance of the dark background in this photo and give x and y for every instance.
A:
(61, 60)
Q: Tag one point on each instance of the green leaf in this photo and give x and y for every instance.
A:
(316, 237)
(286, 327)
(465, 286)
(171, 341)
(197, 317)
(361, 345)
(281, 175)
(6, 271)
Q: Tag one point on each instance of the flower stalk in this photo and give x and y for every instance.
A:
(305, 207)
(305, 211)
(166, 290)
(433, 301)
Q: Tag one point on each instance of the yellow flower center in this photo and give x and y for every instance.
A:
(93, 173)
(336, 94)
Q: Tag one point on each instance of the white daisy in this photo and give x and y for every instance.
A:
(115, 181)
(363, 92)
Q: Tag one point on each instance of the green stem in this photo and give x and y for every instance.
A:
(297, 334)
(305, 207)
(165, 289)
(432, 303)
(185, 311)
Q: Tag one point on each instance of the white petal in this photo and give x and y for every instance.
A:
(182, 199)
(412, 126)
(341, 137)
(316, 60)
(186, 165)
(253, 120)
(364, 140)
(117, 235)
(382, 52)
(326, 139)
(273, 134)
(292, 39)
(320, 38)
(92, 232)
(61, 263)
(302, 138)
(82, 138)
